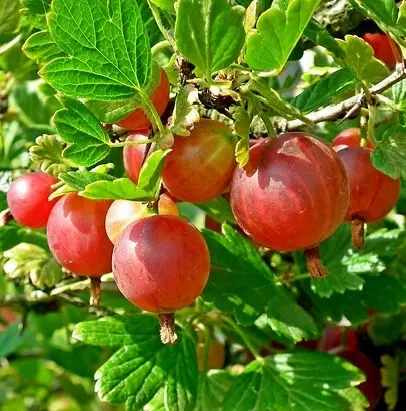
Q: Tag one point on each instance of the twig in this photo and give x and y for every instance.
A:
(336, 111)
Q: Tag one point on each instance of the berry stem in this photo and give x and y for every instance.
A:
(314, 263)
(95, 291)
(357, 232)
(167, 331)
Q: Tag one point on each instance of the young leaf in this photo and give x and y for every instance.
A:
(142, 366)
(77, 125)
(46, 153)
(241, 283)
(78, 180)
(109, 55)
(209, 33)
(184, 114)
(147, 189)
(292, 381)
(359, 56)
(278, 31)
(41, 46)
(164, 4)
(390, 155)
(390, 380)
(324, 91)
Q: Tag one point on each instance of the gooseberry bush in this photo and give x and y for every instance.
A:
(202, 205)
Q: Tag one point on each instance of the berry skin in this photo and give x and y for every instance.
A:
(77, 237)
(292, 194)
(383, 50)
(349, 138)
(161, 263)
(134, 156)
(138, 120)
(216, 357)
(28, 199)
(124, 212)
(200, 167)
(371, 388)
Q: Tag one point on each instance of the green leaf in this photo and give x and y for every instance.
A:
(108, 52)
(383, 294)
(242, 129)
(346, 269)
(10, 340)
(9, 17)
(78, 180)
(153, 31)
(209, 33)
(184, 114)
(142, 365)
(390, 155)
(12, 234)
(399, 98)
(235, 265)
(390, 380)
(147, 189)
(276, 102)
(88, 141)
(213, 389)
(319, 35)
(278, 31)
(401, 22)
(219, 209)
(359, 56)
(41, 46)
(293, 381)
(387, 329)
(46, 153)
(383, 12)
(324, 91)
(164, 4)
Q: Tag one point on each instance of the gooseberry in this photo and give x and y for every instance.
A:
(372, 193)
(215, 357)
(200, 167)
(383, 49)
(134, 156)
(124, 212)
(292, 194)
(77, 237)
(349, 138)
(161, 264)
(335, 339)
(28, 199)
(138, 120)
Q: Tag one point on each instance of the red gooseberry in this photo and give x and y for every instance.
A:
(335, 339)
(349, 138)
(28, 199)
(199, 167)
(134, 156)
(372, 193)
(215, 357)
(161, 264)
(383, 47)
(371, 388)
(124, 212)
(292, 194)
(138, 120)
(77, 237)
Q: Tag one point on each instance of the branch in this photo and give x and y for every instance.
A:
(338, 110)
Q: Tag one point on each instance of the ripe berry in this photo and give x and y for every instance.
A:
(292, 194)
(134, 156)
(372, 193)
(161, 264)
(215, 359)
(77, 237)
(382, 45)
(200, 166)
(138, 120)
(336, 338)
(349, 138)
(124, 212)
(371, 388)
(28, 199)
